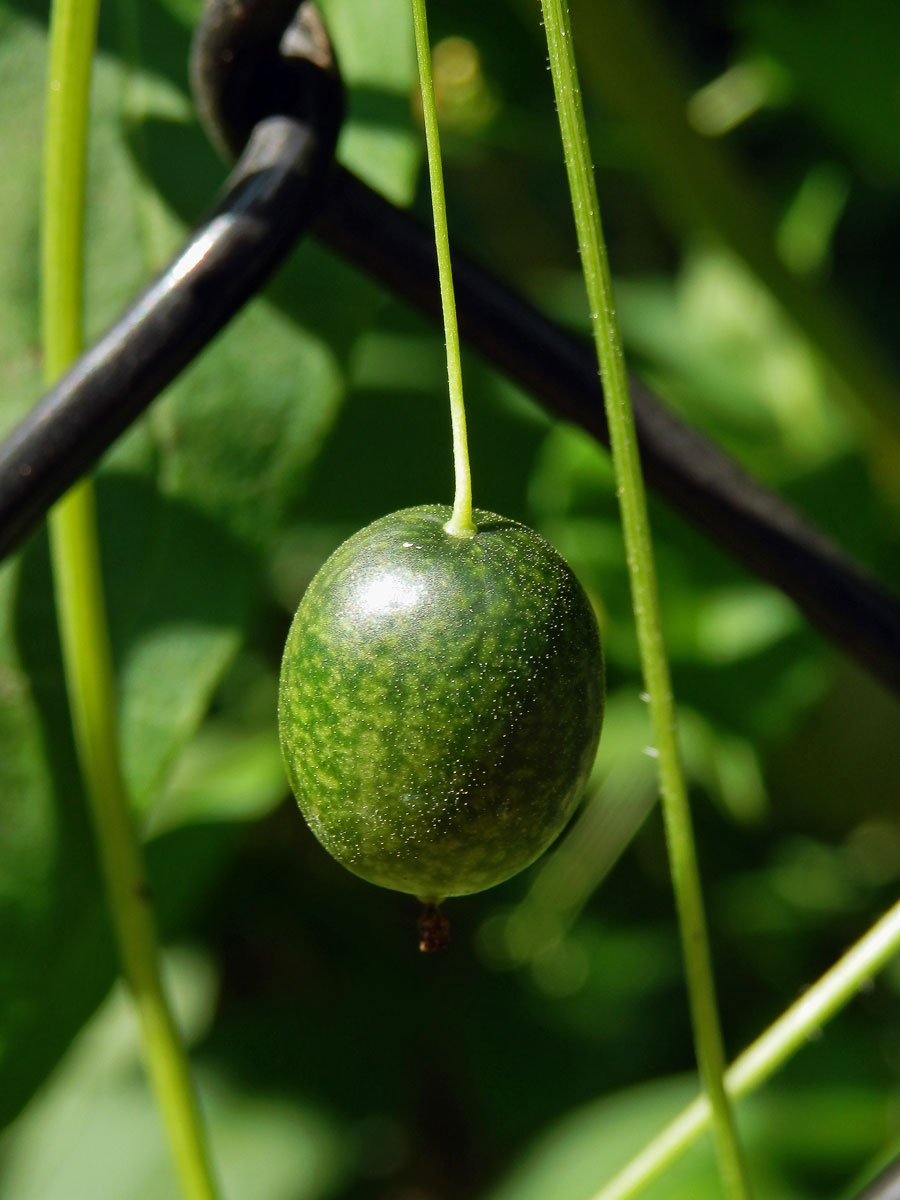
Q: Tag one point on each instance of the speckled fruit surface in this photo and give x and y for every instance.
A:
(440, 701)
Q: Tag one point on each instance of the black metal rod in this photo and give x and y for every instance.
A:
(268, 201)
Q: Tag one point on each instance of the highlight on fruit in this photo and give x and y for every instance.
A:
(440, 702)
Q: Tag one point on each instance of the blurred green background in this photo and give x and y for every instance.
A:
(749, 168)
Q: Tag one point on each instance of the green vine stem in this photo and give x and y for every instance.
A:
(645, 599)
(697, 181)
(771, 1050)
(460, 523)
(87, 656)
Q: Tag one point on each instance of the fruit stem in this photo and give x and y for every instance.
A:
(81, 609)
(460, 523)
(645, 595)
(434, 929)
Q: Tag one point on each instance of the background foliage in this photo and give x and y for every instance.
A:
(553, 1039)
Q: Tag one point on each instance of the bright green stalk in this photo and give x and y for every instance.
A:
(87, 657)
(460, 523)
(645, 598)
(780, 1042)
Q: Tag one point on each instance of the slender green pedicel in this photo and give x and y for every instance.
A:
(441, 701)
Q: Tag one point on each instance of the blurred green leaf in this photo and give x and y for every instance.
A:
(94, 1132)
(178, 592)
(225, 773)
(726, 356)
(376, 55)
(585, 1149)
(795, 1140)
(28, 831)
(48, 866)
(842, 67)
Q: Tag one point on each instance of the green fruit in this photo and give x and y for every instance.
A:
(440, 702)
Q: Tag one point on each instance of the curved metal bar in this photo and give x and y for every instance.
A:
(268, 201)
(251, 59)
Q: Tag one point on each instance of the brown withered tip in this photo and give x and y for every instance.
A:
(434, 930)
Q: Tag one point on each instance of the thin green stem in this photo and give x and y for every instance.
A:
(87, 656)
(780, 1042)
(460, 523)
(645, 598)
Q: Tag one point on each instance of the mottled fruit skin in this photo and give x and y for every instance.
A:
(441, 701)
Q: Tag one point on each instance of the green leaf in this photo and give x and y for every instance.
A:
(794, 1137)
(28, 833)
(178, 591)
(842, 67)
(94, 1131)
(731, 362)
(376, 55)
(227, 772)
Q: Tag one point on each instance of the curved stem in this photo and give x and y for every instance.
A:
(779, 1043)
(460, 523)
(87, 656)
(645, 599)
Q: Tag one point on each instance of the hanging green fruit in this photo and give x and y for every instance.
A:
(441, 700)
